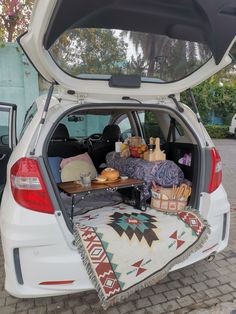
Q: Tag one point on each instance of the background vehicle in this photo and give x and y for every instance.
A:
(232, 128)
(37, 232)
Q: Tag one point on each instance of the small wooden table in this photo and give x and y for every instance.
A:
(73, 188)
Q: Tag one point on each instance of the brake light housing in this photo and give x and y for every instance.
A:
(216, 171)
(28, 187)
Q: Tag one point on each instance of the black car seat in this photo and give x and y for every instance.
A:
(61, 133)
(105, 144)
(61, 145)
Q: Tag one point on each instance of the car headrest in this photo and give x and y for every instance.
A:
(61, 132)
(111, 133)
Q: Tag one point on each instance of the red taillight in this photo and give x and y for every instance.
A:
(216, 171)
(28, 187)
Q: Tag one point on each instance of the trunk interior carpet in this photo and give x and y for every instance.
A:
(125, 250)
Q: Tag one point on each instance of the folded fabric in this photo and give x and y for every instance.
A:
(165, 172)
(54, 163)
(185, 160)
(84, 157)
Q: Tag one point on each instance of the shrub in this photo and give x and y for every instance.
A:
(217, 131)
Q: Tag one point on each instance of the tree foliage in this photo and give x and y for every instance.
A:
(14, 18)
(214, 99)
(217, 131)
(137, 65)
(92, 50)
(165, 58)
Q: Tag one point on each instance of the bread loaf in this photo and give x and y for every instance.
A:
(101, 178)
(110, 173)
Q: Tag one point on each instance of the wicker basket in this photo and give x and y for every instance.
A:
(135, 141)
(167, 205)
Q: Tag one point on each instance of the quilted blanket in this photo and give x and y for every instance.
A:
(124, 249)
(164, 172)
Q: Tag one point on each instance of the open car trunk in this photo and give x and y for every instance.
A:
(123, 230)
(82, 136)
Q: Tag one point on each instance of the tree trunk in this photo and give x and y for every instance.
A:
(151, 66)
(11, 28)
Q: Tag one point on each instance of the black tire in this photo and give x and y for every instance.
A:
(235, 134)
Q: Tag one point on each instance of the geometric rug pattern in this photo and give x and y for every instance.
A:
(124, 249)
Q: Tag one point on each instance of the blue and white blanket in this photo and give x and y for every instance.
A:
(164, 172)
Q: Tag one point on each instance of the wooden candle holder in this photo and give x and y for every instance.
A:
(156, 154)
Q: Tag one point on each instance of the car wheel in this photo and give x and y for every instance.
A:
(235, 134)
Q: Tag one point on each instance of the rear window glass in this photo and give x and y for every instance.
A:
(99, 53)
(84, 125)
(150, 126)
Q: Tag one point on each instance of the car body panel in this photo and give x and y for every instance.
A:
(42, 246)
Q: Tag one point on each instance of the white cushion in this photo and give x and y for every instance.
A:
(72, 170)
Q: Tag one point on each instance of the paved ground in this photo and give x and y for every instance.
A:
(201, 288)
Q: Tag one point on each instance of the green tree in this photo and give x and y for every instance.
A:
(213, 99)
(151, 45)
(90, 51)
(166, 58)
(14, 18)
(137, 65)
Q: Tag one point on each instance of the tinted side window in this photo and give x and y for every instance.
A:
(30, 113)
(179, 128)
(4, 130)
(125, 127)
(150, 126)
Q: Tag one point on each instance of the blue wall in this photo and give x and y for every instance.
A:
(18, 80)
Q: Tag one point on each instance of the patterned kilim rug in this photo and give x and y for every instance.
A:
(125, 250)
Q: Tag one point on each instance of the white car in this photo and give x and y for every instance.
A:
(132, 77)
(232, 127)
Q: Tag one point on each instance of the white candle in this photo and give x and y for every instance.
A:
(118, 147)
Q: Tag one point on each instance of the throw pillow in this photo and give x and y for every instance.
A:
(72, 170)
(84, 157)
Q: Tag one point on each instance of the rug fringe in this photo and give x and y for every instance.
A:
(87, 263)
(146, 283)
